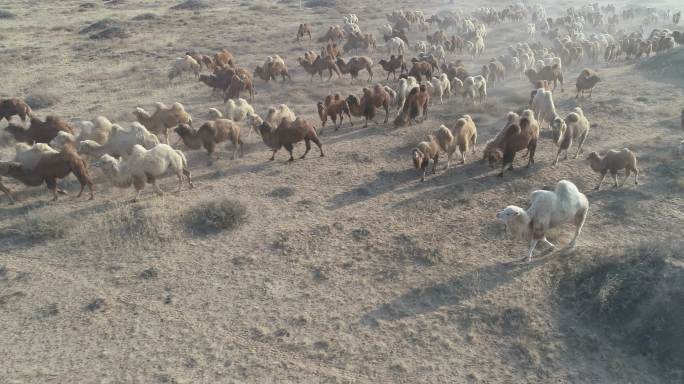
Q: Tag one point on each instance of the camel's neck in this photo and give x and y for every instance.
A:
(595, 164)
(120, 178)
(269, 137)
(99, 151)
(193, 140)
(355, 108)
(518, 228)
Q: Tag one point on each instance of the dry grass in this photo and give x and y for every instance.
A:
(115, 32)
(145, 16)
(211, 217)
(668, 64)
(407, 248)
(282, 192)
(191, 5)
(150, 226)
(7, 14)
(100, 25)
(323, 3)
(37, 228)
(633, 296)
(338, 269)
(42, 100)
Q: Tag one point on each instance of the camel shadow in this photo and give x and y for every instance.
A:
(329, 135)
(460, 183)
(383, 183)
(448, 293)
(222, 172)
(19, 208)
(468, 179)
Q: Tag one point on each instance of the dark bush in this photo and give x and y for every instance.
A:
(34, 228)
(115, 32)
(636, 296)
(216, 216)
(42, 100)
(282, 192)
(191, 5)
(100, 25)
(6, 14)
(145, 16)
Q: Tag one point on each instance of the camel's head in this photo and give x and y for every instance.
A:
(184, 130)
(107, 163)
(8, 168)
(558, 128)
(494, 156)
(509, 213)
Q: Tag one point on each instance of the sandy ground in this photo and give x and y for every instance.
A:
(347, 268)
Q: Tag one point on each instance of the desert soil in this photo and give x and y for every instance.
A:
(347, 268)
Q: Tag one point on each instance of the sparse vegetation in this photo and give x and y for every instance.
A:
(145, 16)
(100, 25)
(282, 192)
(360, 233)
(149, 273)
(133, 230)
(345, 268)
(216, 216)
(47, 311)
(6, 14)
(407, 248)
(360, 158)
(526, 353)
(95, 305)
(115, 32)
(259, 8)
(86, 6)
(635, 296)
(191, 5)
(42, 100)
(108, 28)
(669, 64)
(323, 3)
(36, 228)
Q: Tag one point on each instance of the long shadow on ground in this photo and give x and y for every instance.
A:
(449, 293)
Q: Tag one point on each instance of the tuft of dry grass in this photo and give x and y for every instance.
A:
(323, 3)
(99, 25)
(215, 216)
(46, 312)
(148, 224)
(145, 16)
(633, 295)
(114, 32)
(282, 192)
(133, 229)
(526, 353)
(36, 228)
(95, 305)
(42, 100)
(408, 248)
(259, 8)
(191, 5)
(668, 64)
(7, 14)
